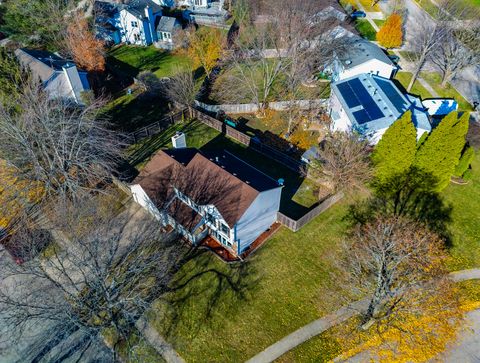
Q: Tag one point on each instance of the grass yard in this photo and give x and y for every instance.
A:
(228, 313)
(130, 112)
(367, 5)
(429, 7)
(298, 195)
(404, 79)
(435, 80)
(379, 22)
(365, 29)
(130, 60)
(465, 226)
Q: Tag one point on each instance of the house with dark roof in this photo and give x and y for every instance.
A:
(213, 194)
(59, 77)
(369, 104)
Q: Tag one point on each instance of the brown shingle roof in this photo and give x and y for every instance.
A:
(201, 179)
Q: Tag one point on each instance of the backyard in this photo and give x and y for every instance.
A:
(130, 60)
(299, 194)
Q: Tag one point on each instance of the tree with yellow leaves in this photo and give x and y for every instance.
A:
(413, 311)
(204, 48)
(390, 34)
(16, 195)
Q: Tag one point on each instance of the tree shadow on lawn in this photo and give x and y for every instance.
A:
(130, 112)
(203, 287)
(411, 194)
(268, 166)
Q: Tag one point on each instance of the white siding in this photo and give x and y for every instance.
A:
(261, 214)
(340, 120)
(142, 198)
(373, 66)
(129, 33)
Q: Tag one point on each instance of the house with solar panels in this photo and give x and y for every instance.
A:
(369, 104)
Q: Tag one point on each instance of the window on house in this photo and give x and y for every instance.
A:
(134, 24)
(224, 228)
(136, 37)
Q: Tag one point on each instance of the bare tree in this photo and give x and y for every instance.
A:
(460, 49)
(67, 149)
(433, 37)
(390, 258)
(92, 286)
(344, 161)
(182, 88)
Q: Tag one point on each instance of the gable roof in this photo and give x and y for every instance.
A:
(216, 178)
(137, 7)
(373, 103)
(41, 63)
(166, 24)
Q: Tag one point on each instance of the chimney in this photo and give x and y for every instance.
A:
(179, 140)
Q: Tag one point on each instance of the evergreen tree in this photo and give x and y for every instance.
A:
(441, 151)
(395, 152)
(390, 34)
(465, 161)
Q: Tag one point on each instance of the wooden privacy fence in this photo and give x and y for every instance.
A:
(295, 225)
(269, 151)
(155, 127)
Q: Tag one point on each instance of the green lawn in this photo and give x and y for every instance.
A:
(435, 80)
(298, 195)
(429, 7)
(379, 22)
(465, 226)
(131, 60)
(365, 29)
(404, 79)
(228, 313)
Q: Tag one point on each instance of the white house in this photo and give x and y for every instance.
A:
(369, 104)
(215, 194)
(362, 56)
(137, 20)
(59, 77)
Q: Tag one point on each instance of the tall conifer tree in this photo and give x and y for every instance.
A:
(441, 151)
(395, 152)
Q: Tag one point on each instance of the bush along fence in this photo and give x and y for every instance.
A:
(295, 225)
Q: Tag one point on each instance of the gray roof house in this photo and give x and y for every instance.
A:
(362, 56)
(59, 77)
(369, 104)
(165, 32)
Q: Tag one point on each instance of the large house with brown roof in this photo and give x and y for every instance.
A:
(212, 194)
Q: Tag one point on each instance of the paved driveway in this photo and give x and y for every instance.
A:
(468, 348)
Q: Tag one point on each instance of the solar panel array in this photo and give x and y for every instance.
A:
(355, 95)
(393, 95)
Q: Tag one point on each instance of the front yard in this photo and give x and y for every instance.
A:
(434, 80)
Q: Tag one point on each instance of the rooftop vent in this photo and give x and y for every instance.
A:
(281, 181)
(348, 61)
(217, 159)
